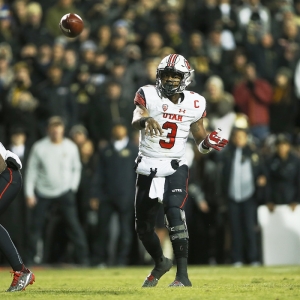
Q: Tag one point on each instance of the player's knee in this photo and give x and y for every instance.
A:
(143, 229)
(176, 223)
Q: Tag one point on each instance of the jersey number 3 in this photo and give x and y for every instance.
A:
(171, 135)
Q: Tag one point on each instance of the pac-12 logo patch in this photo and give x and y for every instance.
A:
(165, 107)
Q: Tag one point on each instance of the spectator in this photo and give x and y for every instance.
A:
(120, 73)
(111, 107)
(198, 58)
(254, 21)
(242, 175)
(283, 175)
(216, 53)
(113, 190)
(52, 178)
(219, 106)
(208, 16)
(121, 28)
(227, 17)
(284, 105)
(152, 45)
(58, 52)
(18, 144)
(6, 73)
(28, 54)
(84, 90)
(265, 57)
(150, 72)
(87, 52)
(174, 37)
(70, 66)
(19, 12)
(79, 135)
(33, 31)
(100, 67)
(234, 72)
(56, 99)
(135, 64)
(87, 216)
(42, 63)
(289, 44)
(20, 103)
(253, 97)
(99, 14)
(103, 37)
(117, 47)
(8, 32)
(146, 18)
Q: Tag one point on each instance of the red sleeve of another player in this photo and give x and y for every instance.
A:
(140, 98)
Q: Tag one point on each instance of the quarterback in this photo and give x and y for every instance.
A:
(165, 114)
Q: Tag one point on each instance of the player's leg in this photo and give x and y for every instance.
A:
(174, 200)
(10, 184)
(146, 210)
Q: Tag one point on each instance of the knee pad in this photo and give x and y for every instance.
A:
(176, 223)
(143, 228)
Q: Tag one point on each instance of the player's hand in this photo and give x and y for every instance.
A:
(152, 127)
(31, 201)
(214, 141)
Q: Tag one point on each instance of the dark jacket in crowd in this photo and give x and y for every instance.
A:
(56, 100)
(115, 175)
(283, 179)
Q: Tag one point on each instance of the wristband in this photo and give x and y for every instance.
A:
(143, 121)
(203, 149)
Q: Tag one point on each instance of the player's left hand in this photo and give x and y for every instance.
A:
(214, 141)
(153, 128)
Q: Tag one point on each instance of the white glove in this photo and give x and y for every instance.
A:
(2, 151)
(12, 160)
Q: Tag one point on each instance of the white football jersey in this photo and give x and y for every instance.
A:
(175, 120)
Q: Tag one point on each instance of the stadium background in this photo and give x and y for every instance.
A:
(91, 81)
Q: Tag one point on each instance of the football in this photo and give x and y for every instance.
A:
(71, 25)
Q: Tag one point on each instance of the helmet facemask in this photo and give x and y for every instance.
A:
(171, 86)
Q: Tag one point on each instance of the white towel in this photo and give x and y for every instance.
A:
(157, 188)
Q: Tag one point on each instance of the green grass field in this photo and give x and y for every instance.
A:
(216, 283)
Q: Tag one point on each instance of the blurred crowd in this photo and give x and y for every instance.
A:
(79, 91)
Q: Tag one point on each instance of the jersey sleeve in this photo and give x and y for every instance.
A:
(140, 98)
(201, 109)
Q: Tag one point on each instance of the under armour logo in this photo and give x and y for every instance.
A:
(21, 283)
(182, 110)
